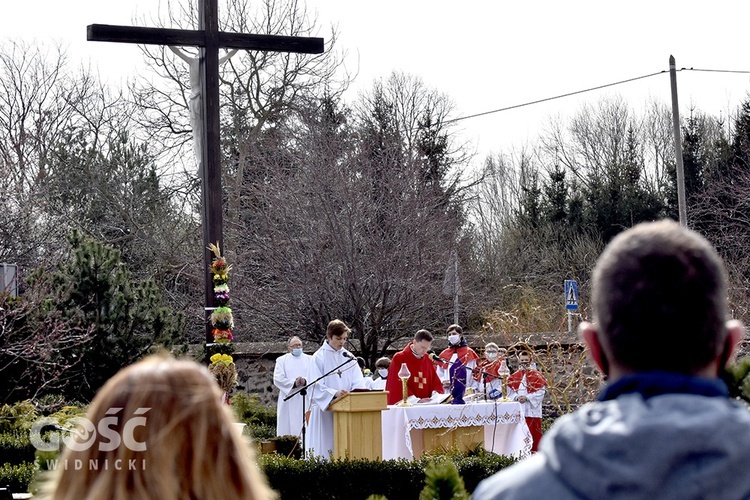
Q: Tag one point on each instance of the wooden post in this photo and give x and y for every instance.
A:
(677, 145)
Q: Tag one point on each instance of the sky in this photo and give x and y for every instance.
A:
(484, 55)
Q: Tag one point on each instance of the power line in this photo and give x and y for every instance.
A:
(598, 87)
(716, 70)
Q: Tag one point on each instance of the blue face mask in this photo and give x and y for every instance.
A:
(297, 351)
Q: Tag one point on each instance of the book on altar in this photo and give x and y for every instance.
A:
(436, 399)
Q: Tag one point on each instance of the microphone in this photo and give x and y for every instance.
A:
(347, 355)
(435, 357)
(494, 394)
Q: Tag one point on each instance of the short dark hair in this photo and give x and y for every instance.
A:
(660, 299)
(455, 328)
(336, 328)
(383, 362)
(422, 335)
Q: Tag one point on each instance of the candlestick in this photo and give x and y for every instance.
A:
(503, 372)
(404, 375)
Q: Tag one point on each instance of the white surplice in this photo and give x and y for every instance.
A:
(319, 438)
(289, 413)
(377, 384)
(533, 405)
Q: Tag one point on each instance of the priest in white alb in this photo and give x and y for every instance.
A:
(341, 381)
(289, 375)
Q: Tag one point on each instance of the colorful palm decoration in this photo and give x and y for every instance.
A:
(222, 365)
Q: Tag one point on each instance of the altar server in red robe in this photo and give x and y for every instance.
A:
(424, 380)
(527, 386)
(486, 375)
(456, 371)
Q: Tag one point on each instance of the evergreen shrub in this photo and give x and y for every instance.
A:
(442, 481)
(17, 477)
(260, 419)
(288, 446)
(16, 448)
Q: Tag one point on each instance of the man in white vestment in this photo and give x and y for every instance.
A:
(289, 375)
(339, 383)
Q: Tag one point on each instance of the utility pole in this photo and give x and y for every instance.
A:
(677, 145)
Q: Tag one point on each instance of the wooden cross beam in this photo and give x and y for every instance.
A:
(209, 40)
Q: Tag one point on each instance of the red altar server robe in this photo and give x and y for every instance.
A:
(462, 353)
(490, 367)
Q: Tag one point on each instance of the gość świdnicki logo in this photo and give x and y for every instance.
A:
(81, 433)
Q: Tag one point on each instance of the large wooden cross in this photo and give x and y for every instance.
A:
(209, 40)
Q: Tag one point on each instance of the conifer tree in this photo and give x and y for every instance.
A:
(93, 288)
(442, 482)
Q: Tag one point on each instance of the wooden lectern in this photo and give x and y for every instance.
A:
(357, 425)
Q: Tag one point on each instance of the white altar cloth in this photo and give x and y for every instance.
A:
(505, 429)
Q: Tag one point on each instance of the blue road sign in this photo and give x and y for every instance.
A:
(571, 295)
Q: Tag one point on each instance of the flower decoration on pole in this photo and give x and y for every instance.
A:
(222, 365)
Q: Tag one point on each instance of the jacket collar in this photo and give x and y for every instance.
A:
(657, 383)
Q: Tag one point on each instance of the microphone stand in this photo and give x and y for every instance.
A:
(484, 374)
(303, 391)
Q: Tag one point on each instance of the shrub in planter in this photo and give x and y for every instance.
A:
(248, 408)
(260, 419)
(261, 432)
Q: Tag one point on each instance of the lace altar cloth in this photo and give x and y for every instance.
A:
(505, 430)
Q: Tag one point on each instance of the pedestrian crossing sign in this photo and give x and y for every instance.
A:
(571, 295)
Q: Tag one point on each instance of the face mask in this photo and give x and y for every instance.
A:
(297, 351)
(454, 339)
(383, 372)
(491, 355)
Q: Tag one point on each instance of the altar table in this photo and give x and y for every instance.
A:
(500, 427)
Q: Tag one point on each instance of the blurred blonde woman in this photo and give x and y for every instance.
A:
(176, 440)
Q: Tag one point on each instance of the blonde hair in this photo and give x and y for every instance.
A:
(192, 447)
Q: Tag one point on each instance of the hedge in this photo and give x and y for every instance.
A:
(358, 479)
(17, 477)
(16, 448)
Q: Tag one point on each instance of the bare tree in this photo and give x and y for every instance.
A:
(257, 87)
(34, 109)
(69, 161)
(36, 349)
(342, 219)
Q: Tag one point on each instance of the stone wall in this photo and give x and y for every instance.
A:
(255, 361)
(561, 352)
